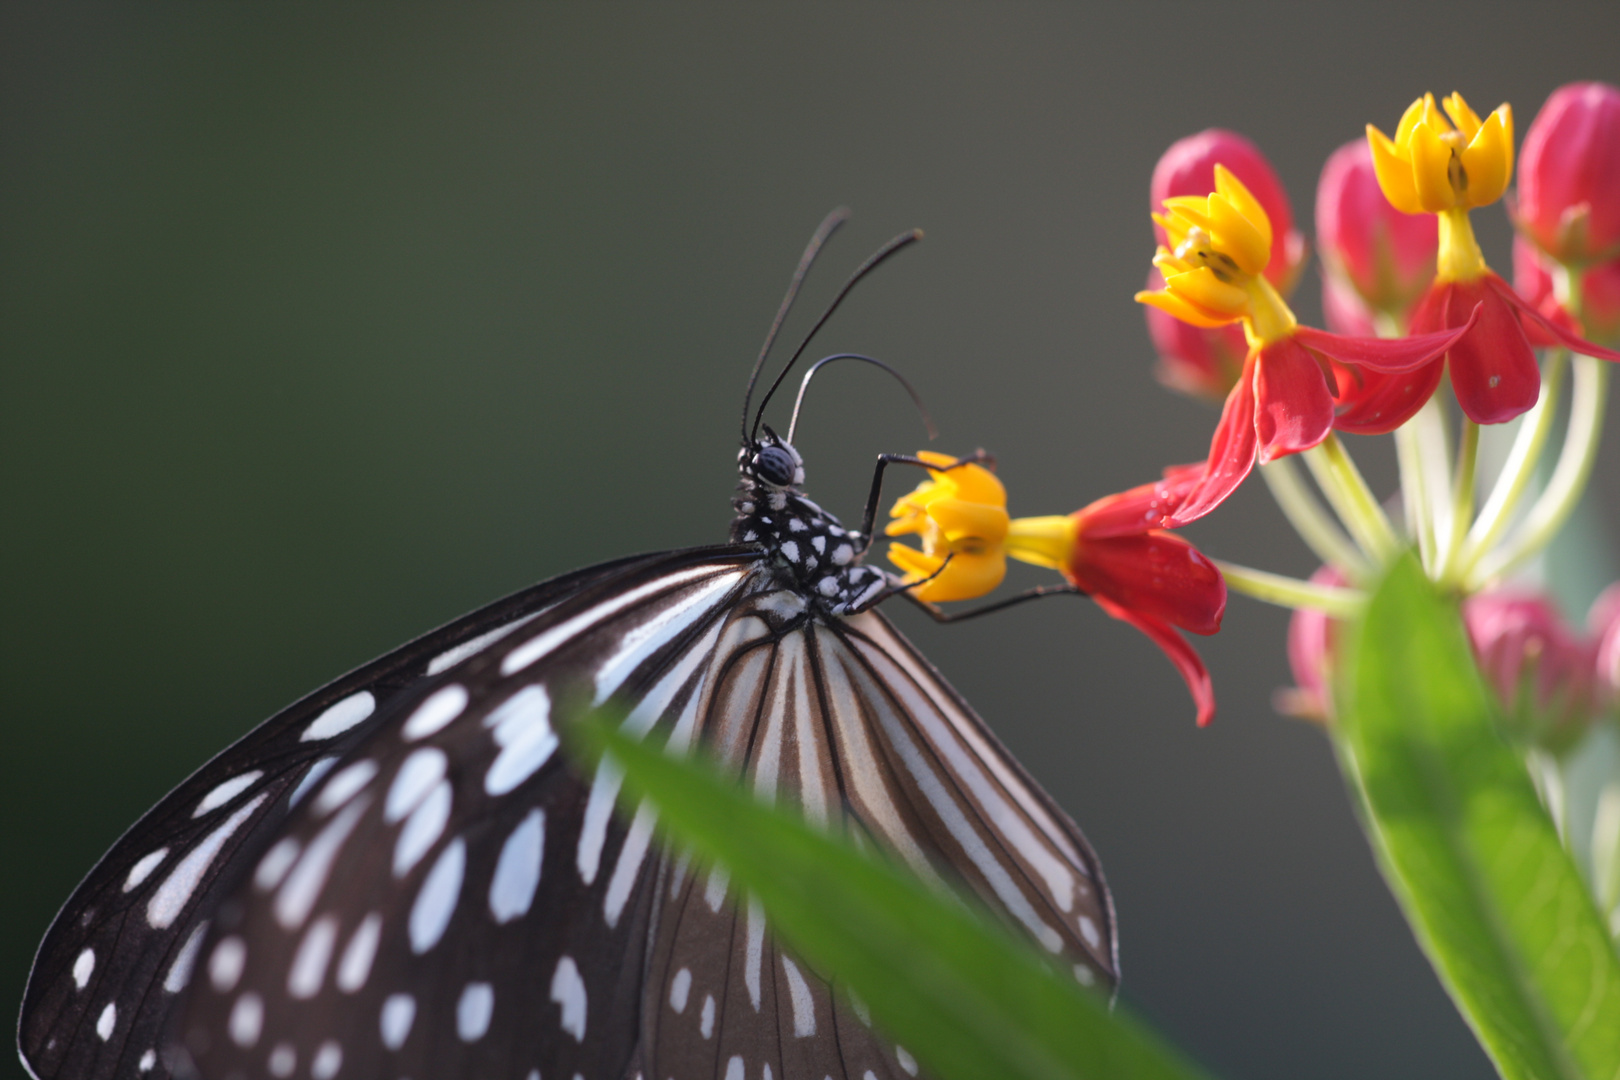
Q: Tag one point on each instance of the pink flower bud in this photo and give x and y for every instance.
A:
(1188, 168)
(1604, 622)
(1367, 245)
(1542, 671)
(1310, 652)
(1203, 362)
(1569, 200)
(1600, 292)
(1343, 309)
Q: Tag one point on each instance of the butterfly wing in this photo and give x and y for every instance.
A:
(107, 972)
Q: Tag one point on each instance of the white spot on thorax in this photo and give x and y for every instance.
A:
(83, 965)
(328, 1060)
(843, 554)
(180, 971)
(440, 707)
(225, 792)
(275, 864)
(424, 768)
(819, 542)
(247, 1019)
(107, 1021)
(143, 869)
(340, 717)
(517, 871)
(473, 1011)
(679, 987)
(436, 901)
(804, 1005)
(568, 990)
(225, 965)
(344, 786)
(308, 969)
(790, 550)
(521, 727)
(355, 964)
(397, 1014)
(283, 1060)
(171, 897)
(706, 1018)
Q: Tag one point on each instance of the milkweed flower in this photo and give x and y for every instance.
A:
(1542, 669)
(1213, 266)
(1569, 175)
(1446, 167)
(1111, 550)
(1598, 288)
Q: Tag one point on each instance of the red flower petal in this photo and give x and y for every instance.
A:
(1133, 512)
(1231, 454)
(1181, 654)
(1373, 403)
(1158, 574)
(1554, 330)
(1493, 370)
(1386, 354)
(1293, 405)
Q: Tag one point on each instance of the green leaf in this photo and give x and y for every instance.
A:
(1469, 852)
(959, 993)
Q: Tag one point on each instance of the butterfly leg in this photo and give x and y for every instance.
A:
(869, 520)
(938, 615)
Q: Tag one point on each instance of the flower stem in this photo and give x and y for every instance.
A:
(1351, 499)
(1519, 468)
(1462, 500)
(1291, 592)
(1319, 531)
(1588, 397)
(1415, 495)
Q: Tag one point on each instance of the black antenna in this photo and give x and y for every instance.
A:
(828, 226)
(916, 399)
(878, 257)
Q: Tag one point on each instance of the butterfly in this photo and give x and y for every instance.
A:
(402, 876)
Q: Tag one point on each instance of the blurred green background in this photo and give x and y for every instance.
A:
(320, 328)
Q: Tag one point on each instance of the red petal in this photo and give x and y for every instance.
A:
(1158, 574)
(1231, 454)
(1294, 408)
(1493, 369)
(1385, 354)
(1133, 512)
(1181, 654)
(1550, 328)
(1373, 403)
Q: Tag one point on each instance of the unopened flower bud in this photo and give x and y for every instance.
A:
(1367, 245)
(1310, 652)
(1188, 168)
(1569, 200)
(1599, 292)
(1197, 360)
(1541, 669)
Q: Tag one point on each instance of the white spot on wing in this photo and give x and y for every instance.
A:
(436, 901)
(355, 964)
(107, 1021)
(734, 1068)
(148, 1060)
(706, 1018)
(225, 792)
(328, 1060)
(424, 768)
(310, 779)
(186, 960)
(473, 1011)
(397, 1014)
(714, 893)
(422, 829)
(143, 869)
(441, 707)
(517, 872)
(283, 1060)
(1088, 930)
(83, 965)
(308, 969)
(679, 988)
(275, 864)
(756, 949)
(522, 729)
(171, 897)
(247, 1019)
(804, 1005)
(568, 990)
(340, 717)
(453, 656)
(907, 1062)
(225, 964)
(303, 886)
(1084, 975)
(654, 634)
(344, 786)
(631, 856)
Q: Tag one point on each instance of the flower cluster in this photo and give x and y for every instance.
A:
(1409, 300)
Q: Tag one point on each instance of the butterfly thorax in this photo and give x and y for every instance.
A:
(811, 546)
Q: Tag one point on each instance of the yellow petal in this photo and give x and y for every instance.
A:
(1394, 172)
(1466, 119)
(1168, 264)
(1432, 117)
(967, 577)
(1431, 170)
(1232, 190)
(1187, 212)
(1411, 118)
(1238, 237)
(1203, 290)
(913, 562)
(1487, 161)
(1174, 305)
(969, 525)
(934, 457)
(1505, 111)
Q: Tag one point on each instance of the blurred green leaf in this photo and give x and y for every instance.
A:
(1469, 852)
(959, 993)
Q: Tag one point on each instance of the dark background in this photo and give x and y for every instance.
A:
(321, 329)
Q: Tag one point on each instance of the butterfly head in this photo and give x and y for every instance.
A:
(773, 462)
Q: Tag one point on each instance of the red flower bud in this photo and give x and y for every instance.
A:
(1569, 200)
(1188, 168)
(1386, 256)
(1196, 360)
(1343, 309)
(1310, 651)
(1604, 622)
(1600, 292)
(1541, 669)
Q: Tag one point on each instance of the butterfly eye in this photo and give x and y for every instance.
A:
(775, 465)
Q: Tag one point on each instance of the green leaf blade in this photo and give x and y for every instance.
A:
(963, 997)
(1493, 898)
